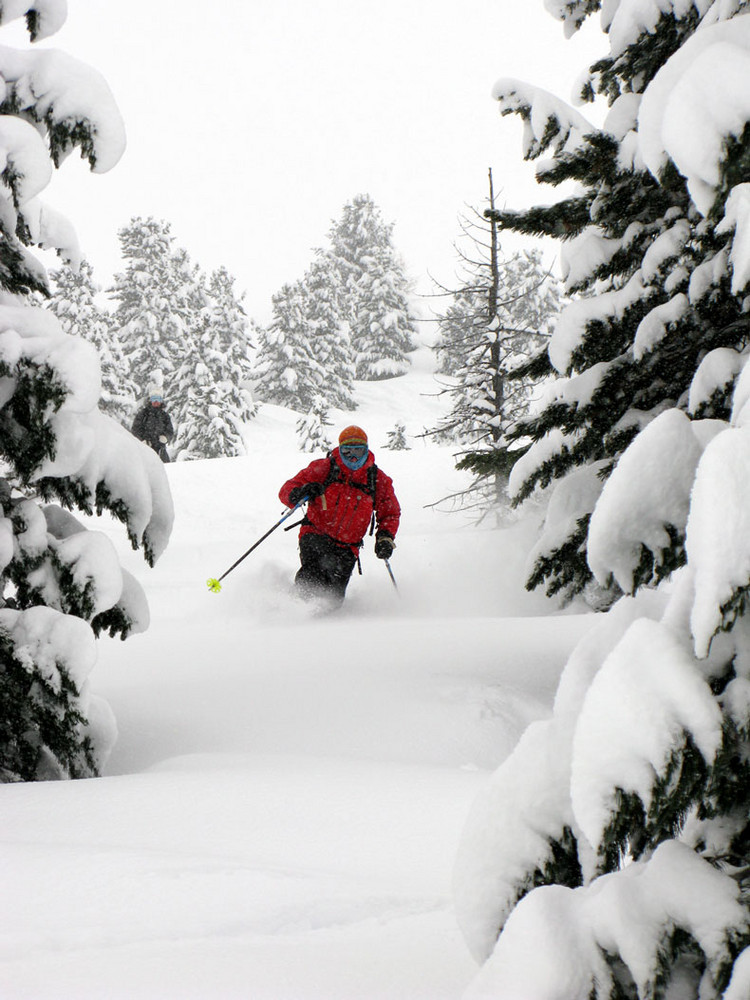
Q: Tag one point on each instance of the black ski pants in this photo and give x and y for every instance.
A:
(325, 567)
(161, 450)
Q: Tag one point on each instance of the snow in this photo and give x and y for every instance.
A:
(737, 218)
(666, 246)
(534, 781)
(280, 815)
(651, 676)
(718, 369)
(52, 231)
(48, 639)
(627, 20)
(63, 91)
(656, 324)
(6, 542)
(92, 447)
(51, 14)
(581, 256)
(575, 317)
(545, 449)
(697, 101)
(90, 556)
(718, 531)
(622, 116)
(634, 694)
(35, 334)
(23, 154)
(573, 497)
(741, 396)
(706, 275)
(32, 541)
(547, 120)
(722, 10)
(648, 490)
(739, 986)
(573, 928)
(500, 845)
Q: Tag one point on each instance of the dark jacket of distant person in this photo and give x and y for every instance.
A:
(153, 425)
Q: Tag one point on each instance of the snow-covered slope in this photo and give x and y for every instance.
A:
(279, 817)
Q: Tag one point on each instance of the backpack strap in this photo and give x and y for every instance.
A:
(334, 475)
(334, 472)
(372, 482)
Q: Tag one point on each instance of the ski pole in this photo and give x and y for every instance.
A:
(214, 585)
(390, 573)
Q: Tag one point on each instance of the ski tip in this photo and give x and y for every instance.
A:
(213, 585)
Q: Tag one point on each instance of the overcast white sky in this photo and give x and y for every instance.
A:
(251, 122)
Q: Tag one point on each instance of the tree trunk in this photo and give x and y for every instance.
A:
(493, 324)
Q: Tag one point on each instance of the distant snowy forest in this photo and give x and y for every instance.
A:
(351, 317)
(170, 324)
(609, 858)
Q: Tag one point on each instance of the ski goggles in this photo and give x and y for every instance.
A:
(353, 452)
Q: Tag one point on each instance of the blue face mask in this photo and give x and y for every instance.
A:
(353, 456)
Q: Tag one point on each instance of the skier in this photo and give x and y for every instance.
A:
(153, 425)
(346, 492)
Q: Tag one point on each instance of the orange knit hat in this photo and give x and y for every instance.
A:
(352, 435)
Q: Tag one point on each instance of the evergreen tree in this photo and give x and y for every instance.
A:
(312, 428)
(613, 846)
(397, 439)
(153, 309)
(304, 352)
(328, 334)
(73, 301)
(190, 393)
(287, 372)
(629, 344)
(212, 401)
(194, 331)
(60, 583)
(375, 290)
(498, 317)
(230, 322)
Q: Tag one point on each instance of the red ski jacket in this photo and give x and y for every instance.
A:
(344, 511)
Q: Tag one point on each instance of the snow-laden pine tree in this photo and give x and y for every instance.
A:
(211, 401)
(499, 316)
(609, 855)
(312, 428)
(287, 374)
(231, 323)
(375, 290)
(61, 582)
(152, 296)
(190, 377)
(396, 440)
(646, 274)
(73, 301)
(329, 334)
(304, 351)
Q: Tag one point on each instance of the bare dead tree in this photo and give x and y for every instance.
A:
(497, 316)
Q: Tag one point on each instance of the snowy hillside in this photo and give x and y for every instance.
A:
(281, 812)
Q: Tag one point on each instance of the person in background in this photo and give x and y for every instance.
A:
(346, 494)
(153, 425)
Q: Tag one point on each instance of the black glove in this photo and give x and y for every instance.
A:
(384, 545)
(309, 491)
